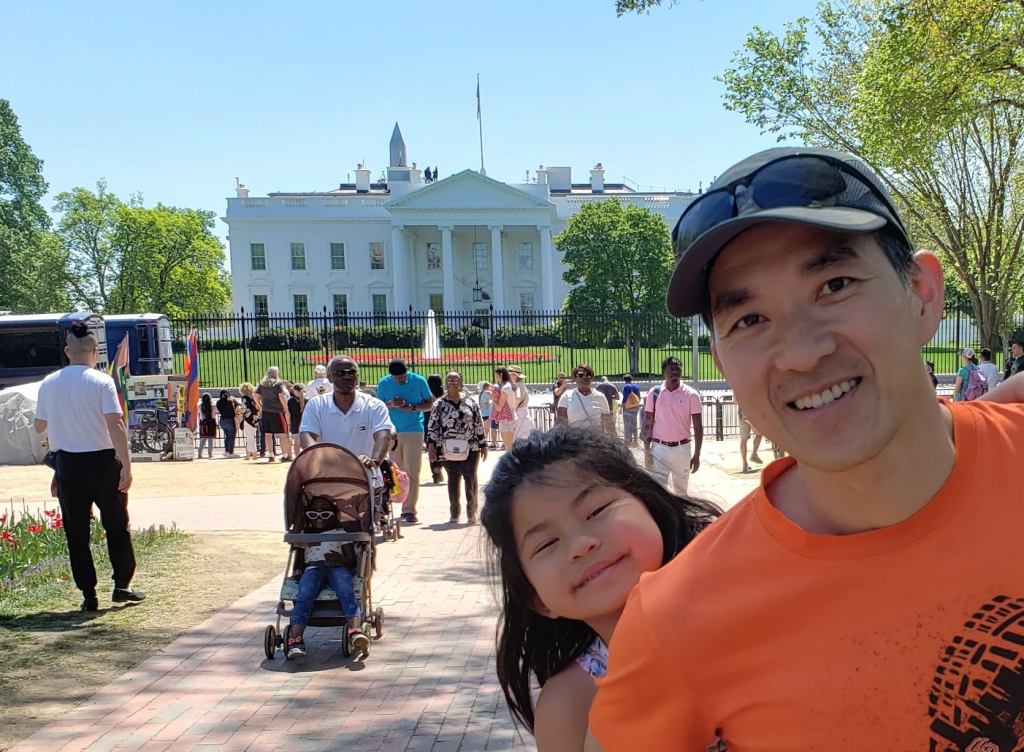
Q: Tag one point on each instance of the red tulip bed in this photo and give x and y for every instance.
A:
(455, 357)
(32, 540)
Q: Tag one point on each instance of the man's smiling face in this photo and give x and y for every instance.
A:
(821, 340)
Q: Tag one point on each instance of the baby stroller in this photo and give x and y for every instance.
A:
(332, 471)
(385, 501)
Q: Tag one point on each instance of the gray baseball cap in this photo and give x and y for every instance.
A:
(800, 185)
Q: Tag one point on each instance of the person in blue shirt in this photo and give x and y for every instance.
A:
(407, 396)
(630, 409)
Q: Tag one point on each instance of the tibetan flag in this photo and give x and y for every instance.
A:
(192, 382)
(119, 372)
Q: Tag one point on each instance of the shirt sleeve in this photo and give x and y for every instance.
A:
(382, 390)
(644, 702)
(696, 408)
(563, 401)
(434, 423)
(650, 403)
(311, 419)
(111, 404)
(41, 401)
(380, 417)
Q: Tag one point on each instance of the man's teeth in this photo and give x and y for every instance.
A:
(825, 397)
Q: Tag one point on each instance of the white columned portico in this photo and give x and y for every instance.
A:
(448, 267)
(497, 273)
(399, 271)
(547, 270)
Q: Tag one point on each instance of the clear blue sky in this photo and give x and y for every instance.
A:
(174, 100)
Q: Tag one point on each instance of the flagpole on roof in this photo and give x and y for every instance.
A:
(480, 120)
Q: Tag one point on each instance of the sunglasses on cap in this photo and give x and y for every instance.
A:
(796, 181)
(314, 515)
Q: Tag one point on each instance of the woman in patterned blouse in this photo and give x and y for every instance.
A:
(456, 437)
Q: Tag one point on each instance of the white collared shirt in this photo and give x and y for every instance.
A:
(353, 430)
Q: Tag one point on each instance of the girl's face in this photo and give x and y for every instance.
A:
(583, 544)
(321, 515)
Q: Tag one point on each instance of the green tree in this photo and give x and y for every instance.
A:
(619, 262)
(959, 188)
(622, 7)
(135, 259)
(32, 268)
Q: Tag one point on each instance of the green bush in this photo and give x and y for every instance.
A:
(474, 336)
(272, 339)
(526, 336)
(219, 343)
(389, 337)
(305, 339)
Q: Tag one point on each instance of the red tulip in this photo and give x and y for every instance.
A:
(34, 529)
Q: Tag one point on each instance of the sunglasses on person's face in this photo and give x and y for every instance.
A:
(584, 375)
(313, 515)
(809, 181)
(345, 371)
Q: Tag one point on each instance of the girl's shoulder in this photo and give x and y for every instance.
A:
(563, 707)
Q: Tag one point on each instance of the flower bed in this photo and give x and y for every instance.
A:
(454, 357)
(32, 540)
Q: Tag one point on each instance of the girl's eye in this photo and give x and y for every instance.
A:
(544, 546)
(598, 511)
(748, 321)
(834, 285)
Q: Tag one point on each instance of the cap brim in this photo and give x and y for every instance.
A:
(687, 292)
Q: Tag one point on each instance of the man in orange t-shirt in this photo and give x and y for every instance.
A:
(870, 594)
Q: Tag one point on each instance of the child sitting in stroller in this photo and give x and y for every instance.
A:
(320, 564)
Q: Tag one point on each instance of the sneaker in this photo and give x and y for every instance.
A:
(360, 642)
(411, 518)
(127, 595)
(271, 459)
(453, 521)
(296, 647)
(746, 468)
(755, 458)
(472, 521)
(286, 458)
(233, 456)
(91, 603)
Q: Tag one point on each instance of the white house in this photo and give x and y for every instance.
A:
(462, 243)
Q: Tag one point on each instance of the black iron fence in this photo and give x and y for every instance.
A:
(241, 347)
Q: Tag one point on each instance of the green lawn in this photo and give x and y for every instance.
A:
(541, 364)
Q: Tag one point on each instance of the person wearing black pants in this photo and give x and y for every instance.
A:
(457, 438)
(80, 411)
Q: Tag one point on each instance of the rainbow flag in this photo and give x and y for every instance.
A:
(119, 372)
(192, 384)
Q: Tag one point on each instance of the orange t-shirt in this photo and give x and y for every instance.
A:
(909, 637)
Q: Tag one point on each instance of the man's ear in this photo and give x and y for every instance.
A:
(929, 293)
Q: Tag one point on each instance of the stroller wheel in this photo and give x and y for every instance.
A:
(287, 633)
(366, 631)
(398, 528)
(346, 643)
(378, 622)
(270, 642)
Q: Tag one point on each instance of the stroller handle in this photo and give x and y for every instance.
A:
(327, 537)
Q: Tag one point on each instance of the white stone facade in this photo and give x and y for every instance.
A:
(462, 243)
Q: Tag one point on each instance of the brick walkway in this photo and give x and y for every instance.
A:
(428, 685)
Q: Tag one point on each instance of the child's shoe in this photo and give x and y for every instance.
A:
(360, 642)
(296, 647)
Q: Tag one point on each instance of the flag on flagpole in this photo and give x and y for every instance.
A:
(192, 382)
(477, 96)
(120, 373)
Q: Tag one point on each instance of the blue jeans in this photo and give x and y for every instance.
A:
(227, 425)
(312, 582)
(207, 444)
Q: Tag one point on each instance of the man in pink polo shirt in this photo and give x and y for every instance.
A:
(675, 449)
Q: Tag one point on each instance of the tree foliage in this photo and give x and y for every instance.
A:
(622, 7)
(851, 80)
(130, 259)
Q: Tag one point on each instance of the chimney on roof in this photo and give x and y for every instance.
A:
(597, 179)
(240, 190)
(362, 179)
(542, 176)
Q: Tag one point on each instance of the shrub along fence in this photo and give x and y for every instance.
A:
(240, 347)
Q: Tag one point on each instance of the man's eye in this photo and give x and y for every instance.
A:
(748, 321)
(834, 285)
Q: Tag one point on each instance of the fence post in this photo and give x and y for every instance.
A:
(490, 338)
(412, 338)
(719, 420)
(328, 338)
(245, 344)
(695, 345)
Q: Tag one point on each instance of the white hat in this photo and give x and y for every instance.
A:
(967, 352)
(320, 369)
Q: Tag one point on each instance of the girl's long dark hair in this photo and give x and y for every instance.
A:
(207, 406)
(529, 643)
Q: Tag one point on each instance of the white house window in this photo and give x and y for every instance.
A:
(341, 305)
(376, 255)
(480, 256)
(526, 302)
(258, 256)
(261, 305)
(338, 256)
(298, 256)
(437, 303)
(300, 304)
(433, 256)
(525, 257)
(380, 305)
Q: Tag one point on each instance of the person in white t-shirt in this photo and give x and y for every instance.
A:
(80, 411)
(584, 405)
(988, 368)
(348, 417)
(320, 384)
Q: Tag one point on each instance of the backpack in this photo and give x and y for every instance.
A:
(977, 384)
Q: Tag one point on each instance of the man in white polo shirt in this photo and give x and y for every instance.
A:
(675, 449)
(79, 409)
(348, 417)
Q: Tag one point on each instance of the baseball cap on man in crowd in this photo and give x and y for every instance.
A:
(807, 186)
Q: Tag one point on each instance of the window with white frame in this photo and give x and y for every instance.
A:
(376, 256)
(340, 305)
(525, 256)
(298, 256)
(380, 305)
(480, 256)
(526, 302)
(338, 256)
(258, 256)
(433, 256)
(261, 305)
(300, 305)
(437, 303)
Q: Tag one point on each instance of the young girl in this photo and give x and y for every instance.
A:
(207, 426)
(573, 522)
(250, 418)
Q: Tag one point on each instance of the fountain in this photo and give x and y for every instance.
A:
(431, 342)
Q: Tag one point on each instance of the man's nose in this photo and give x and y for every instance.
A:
(802, 340)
